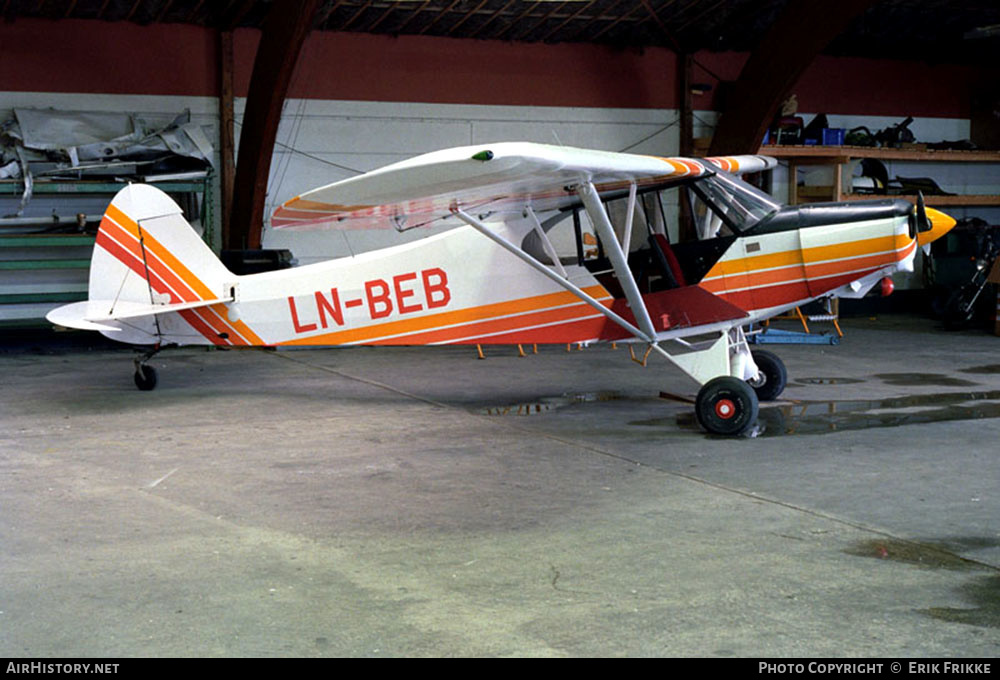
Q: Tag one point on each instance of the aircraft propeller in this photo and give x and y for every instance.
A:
(921, 224)
(929, 224)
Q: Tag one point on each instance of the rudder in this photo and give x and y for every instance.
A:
(147, 255)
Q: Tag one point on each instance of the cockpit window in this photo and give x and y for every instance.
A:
(706, 207)
(731, 202)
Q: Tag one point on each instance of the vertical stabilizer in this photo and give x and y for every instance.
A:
(147, 254)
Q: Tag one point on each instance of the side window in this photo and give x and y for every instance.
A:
(654, 212)
(571, 234)
(708, 222)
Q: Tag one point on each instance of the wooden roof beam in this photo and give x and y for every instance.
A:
(496, 15)
(800, 33)
(516, 21)
(438, 16)
(468, 16)
(545, 17)
(354, 17)
(413, 15)
(285, 29)
(571, 17)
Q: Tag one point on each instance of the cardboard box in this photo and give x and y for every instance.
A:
(994, 276)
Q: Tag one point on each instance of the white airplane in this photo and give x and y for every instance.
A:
(550, 245)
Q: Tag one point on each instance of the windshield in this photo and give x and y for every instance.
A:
(737, 203)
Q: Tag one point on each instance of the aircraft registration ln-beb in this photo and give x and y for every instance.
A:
(549, 245)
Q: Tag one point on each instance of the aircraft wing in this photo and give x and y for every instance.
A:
(486, 179)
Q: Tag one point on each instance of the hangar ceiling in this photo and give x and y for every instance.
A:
(782, 37)
(934, 30)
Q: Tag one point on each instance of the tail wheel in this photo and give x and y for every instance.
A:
(727, 406)
(771, 380)
(145, 377)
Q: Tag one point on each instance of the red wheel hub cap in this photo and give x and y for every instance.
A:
(725, 408)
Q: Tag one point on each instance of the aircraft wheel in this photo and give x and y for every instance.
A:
(773, 377)
(726, 405)
(145, 377)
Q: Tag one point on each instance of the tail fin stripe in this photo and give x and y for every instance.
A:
(196, 290)
(129, 254)
(165, 263)
(243, 331)
(156, 279)
(196, 321)
(168, 269)
(158, 285)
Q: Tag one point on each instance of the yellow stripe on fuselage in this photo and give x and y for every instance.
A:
(809, 256)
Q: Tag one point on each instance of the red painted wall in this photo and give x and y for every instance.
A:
(887, 88)
(104, 57)
(441, 70)
(76, 56)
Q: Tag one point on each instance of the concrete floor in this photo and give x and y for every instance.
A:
(365, 502)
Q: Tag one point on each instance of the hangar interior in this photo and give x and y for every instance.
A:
(434, 501)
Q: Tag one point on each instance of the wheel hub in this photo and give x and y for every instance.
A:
(725, 408)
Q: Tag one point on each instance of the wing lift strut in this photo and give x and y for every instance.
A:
(726, 403)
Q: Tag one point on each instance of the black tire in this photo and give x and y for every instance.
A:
(958, 312)
(145, 377)
(773, 377)
(727, 406)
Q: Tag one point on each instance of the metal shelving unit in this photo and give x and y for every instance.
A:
(39, 271)
(839, 156)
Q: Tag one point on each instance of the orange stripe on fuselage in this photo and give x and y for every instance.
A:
(306, 204)
(435, 322)
(808, 257)
(494, 327)
(810, 272)
(754, 293)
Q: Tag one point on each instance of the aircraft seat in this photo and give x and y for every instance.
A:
(668, 261)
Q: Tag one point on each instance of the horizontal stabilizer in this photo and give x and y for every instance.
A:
(75, 316)
(92, 315)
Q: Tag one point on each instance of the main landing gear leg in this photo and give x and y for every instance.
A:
(734, 382)
(145, 375)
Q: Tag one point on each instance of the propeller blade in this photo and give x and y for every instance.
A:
(923, 224)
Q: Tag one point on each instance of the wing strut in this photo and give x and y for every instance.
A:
(704, 361)
(546, 243)
(541, 268)
(592, 202)
(627, 236)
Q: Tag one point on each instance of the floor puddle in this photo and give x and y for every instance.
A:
(546, 404)
(823, 417)
(916, 379)
(989, 369)
(982, 592)
(828, 381)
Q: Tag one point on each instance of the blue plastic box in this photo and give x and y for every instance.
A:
(833, 136)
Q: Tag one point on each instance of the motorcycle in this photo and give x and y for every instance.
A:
(959, 307)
